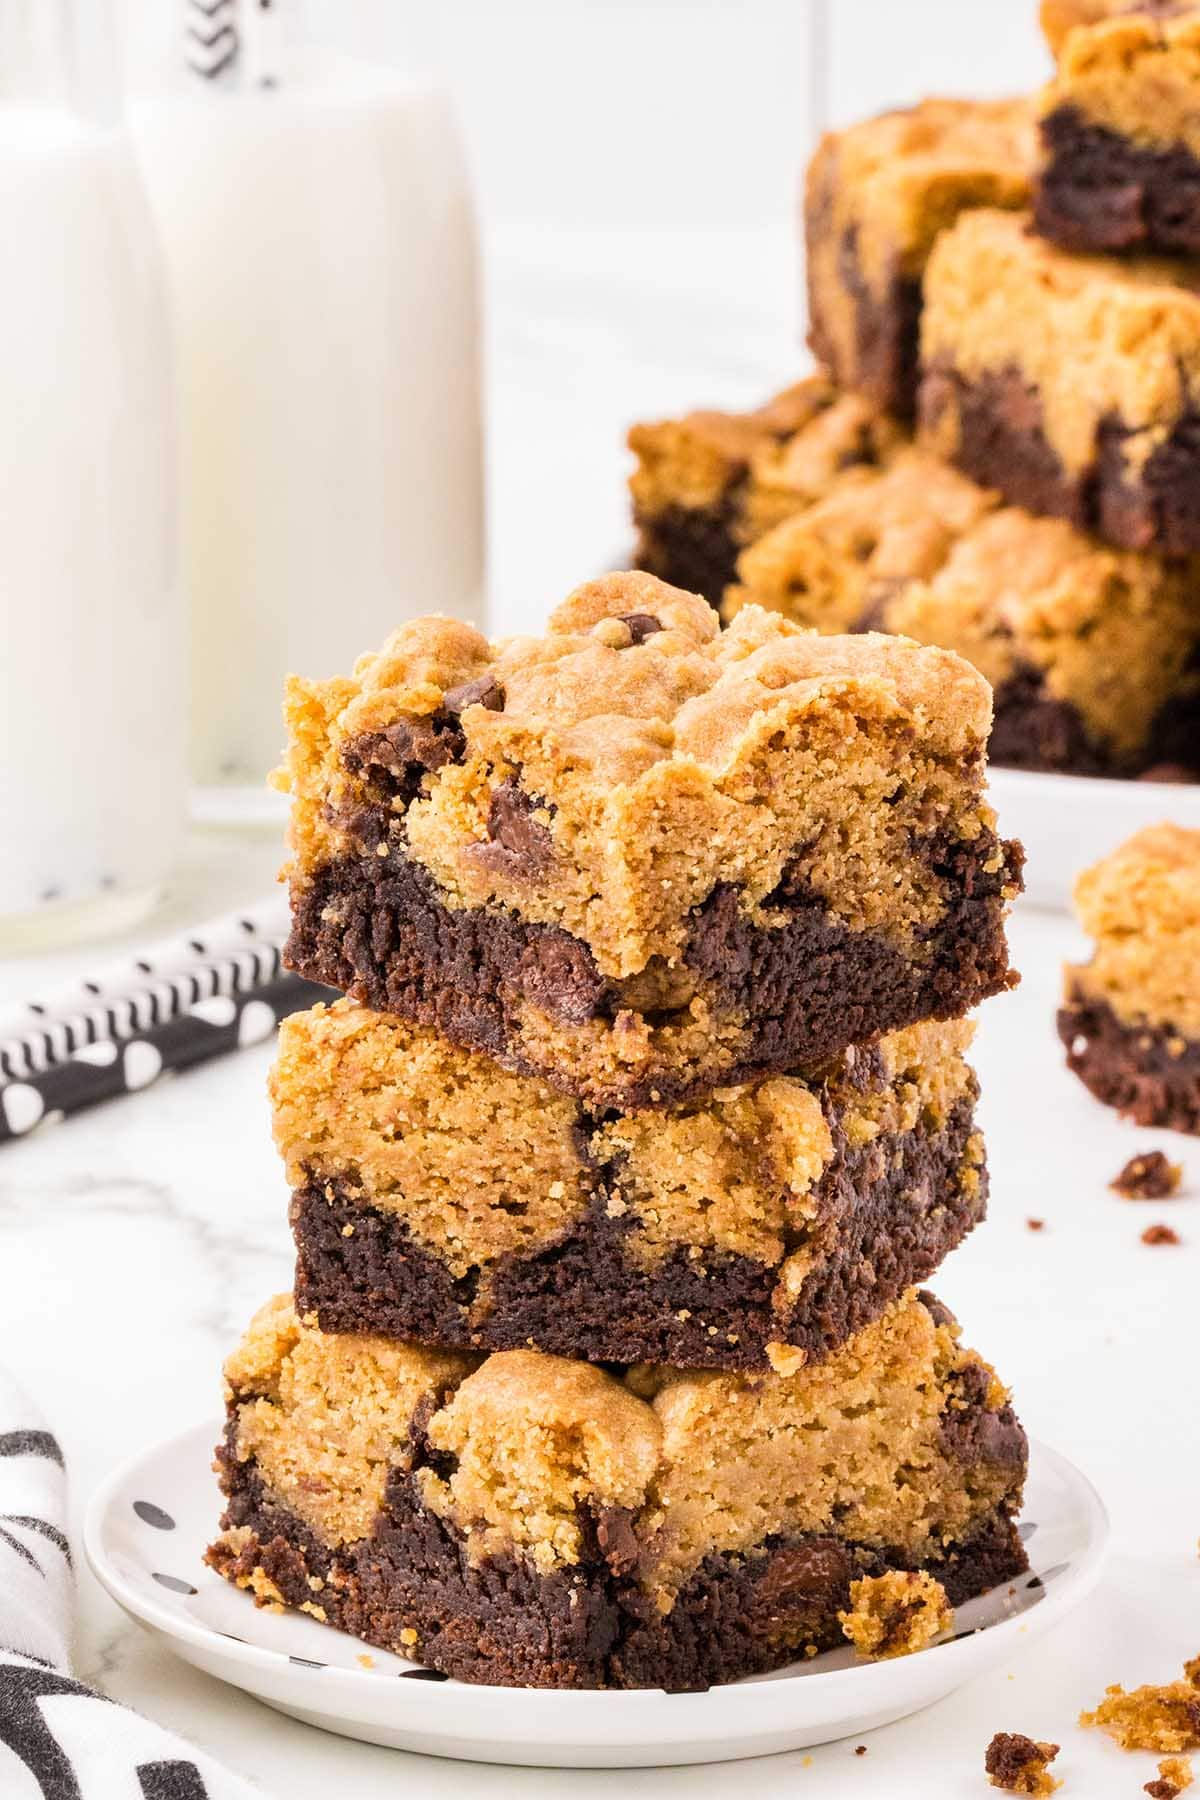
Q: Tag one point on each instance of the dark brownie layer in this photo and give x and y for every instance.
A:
(899, 1208)
(501, 1623)
(1101, 191)
(377, 930)
(886, 331)
(1002, 444)
(690, 547)
(1033, 730)
(1147, 1072)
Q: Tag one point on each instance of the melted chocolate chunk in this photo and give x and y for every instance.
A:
(484, 691)
(640, 626)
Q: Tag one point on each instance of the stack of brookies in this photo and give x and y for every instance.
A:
(1003, 454)
(617, 1170)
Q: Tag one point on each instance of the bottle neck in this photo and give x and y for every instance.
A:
(60, 54)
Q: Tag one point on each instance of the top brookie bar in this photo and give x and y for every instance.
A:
(1120, 127)
(1071, 383)
(1093, 653)
(710, 482)
(643, 858)
(876, 198)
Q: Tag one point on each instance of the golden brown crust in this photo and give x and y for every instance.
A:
(998, 299)
(1132, 70)
(1142, 907)
(661, 766)
(692, 461)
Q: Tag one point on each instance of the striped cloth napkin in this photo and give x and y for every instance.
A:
(56, 1735)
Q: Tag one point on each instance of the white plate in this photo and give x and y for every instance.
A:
(146, 1530)
(1067, 822)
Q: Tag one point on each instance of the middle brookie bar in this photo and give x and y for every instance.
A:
(641, 857)
(521, 1519)
(439, 1197)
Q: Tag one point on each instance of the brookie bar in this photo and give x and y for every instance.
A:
(1120, 168)
(1131, 1016)
(524, 1520)
(642, 858)
(1093, 653)
(876, 198)
(437, 1196)
(710, 482)
(1071, 383)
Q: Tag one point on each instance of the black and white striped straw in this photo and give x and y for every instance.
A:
(179, 1003)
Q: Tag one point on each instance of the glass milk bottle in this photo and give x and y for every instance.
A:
(91, 678)
(320, 241)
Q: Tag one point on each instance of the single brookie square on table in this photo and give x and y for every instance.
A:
(520, 1519)
(438, 1196)
(1071, 383)
(1130, 1018)
(1120, 163)
(877, 196)
(1093, 653)
(641, 857)
(708, 483)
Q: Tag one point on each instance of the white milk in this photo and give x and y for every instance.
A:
(91, 679)
(321, 249)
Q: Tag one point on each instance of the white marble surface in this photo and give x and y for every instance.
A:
(136, 1240)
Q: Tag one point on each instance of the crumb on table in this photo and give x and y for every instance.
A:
(1174, 1774)
(1020, 1764)
(1148, 1176)
(1160, 1234)
(896, 1613)
(1165, 1718)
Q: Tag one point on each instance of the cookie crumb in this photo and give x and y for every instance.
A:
(365, 1662)
(1036, 1224)
(1019, 1764)
(1164, 1718)
(895, 1614)
(1174, 1774)
(1160, 1234)
(1148, 1176)
(860, 1749)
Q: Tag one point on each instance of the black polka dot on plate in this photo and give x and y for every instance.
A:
(175, 1583)
(305, 1662)
(150, 1514)
(423, 1675)
(1026, 1529)
(1054, 1573)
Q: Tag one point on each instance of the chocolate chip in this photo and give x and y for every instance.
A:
(640, 626)
(617, 1539)
(484, 691)
(520, 844)
(392, 762)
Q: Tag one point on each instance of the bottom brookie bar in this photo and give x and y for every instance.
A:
(524, 1520)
